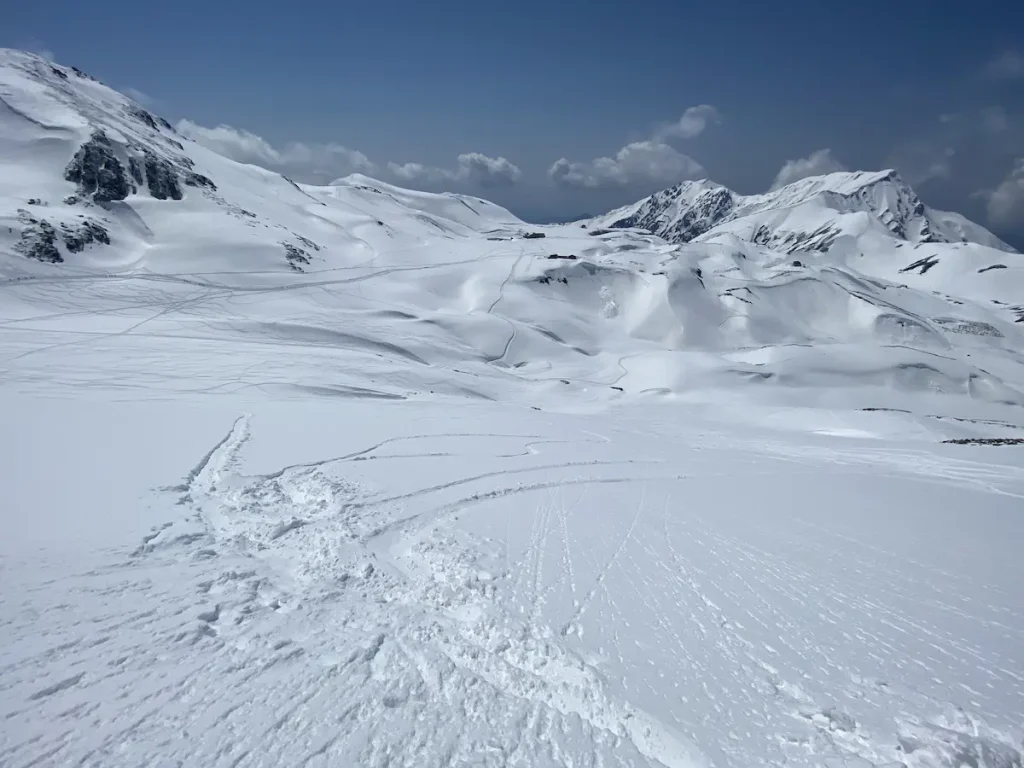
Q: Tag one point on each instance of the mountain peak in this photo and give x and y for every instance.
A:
(809, 214)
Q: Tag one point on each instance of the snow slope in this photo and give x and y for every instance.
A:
(356, 475)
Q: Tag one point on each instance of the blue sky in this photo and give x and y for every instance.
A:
(487, 97)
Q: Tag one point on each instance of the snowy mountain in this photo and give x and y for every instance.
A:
(359, 475)
(807, 215)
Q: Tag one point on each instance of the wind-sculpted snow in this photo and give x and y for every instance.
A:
(357, 475)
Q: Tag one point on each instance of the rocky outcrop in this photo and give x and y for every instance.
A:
(707, 210)
(88, 232)
(38, 239)
(135, 169)
(142, 116)
(820, 239)
(100, 176)
(193, 179)
(162, 178)
(296, 256)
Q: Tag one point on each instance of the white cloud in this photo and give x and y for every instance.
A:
(995, 120)
(924, 159)
(641, 162)
(1007, 65)
(487, 171)
(472, 168)
(142, 98)
(1006, 202)
(815, 164)
(314, 163)
(418, 172)
(39, 49)
(693, 123)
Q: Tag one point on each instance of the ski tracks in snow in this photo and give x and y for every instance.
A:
(309, 616)
(278, 631)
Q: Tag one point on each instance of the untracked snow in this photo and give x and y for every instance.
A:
(356, 475)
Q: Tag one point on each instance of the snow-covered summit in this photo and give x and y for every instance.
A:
(807, 215)
(93, 179)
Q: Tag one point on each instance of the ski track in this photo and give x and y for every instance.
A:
(303, 591)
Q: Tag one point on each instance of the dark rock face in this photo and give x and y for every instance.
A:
(142, 116)
(135, 169)
(307, 242)
(59, 73)
(534, 235)
(38, 239)
(922, 264)
(76, 238)
(198, 180)
(97, 171)
(162, 178)
(296, 256)
(993, 266)
(986, 441)
(707, 211)
(820, 239)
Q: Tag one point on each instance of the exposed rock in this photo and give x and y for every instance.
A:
(198, 180)
(569, 257)
(922, 264)
(135, 169)
(307, 242)
(970, 327)
(296, 256)
(142, 115)
(166, 125)
(986, 441)
(97, 171)
(162, 178)
(76, 238)
(993, 266)
(59, 72)
(71, 200)
(35, 201)
(38, 239)
(534, 235)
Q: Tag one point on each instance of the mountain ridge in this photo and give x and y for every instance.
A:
(791, 218)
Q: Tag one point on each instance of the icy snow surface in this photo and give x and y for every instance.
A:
(433, 498)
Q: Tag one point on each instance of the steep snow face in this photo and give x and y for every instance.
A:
(807, 215)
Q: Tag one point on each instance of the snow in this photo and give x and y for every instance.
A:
(434, 498)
